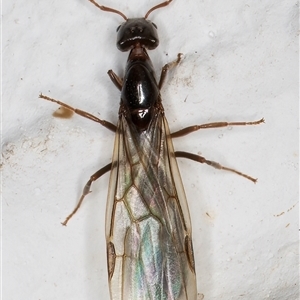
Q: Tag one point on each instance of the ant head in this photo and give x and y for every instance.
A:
(135, 32)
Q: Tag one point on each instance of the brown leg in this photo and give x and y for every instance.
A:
(191, 129)
(118, 82)
(86, 190)
(214, 164)
(166, 68)
(82, 113)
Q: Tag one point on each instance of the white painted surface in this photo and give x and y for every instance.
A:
(240, 64)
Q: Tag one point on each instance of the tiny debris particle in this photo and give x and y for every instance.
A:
(63, 113)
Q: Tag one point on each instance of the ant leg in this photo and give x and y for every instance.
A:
(86, 190)
(193, 128)
(166, 68)
(82, 113)
(214, 164)
(117, 81)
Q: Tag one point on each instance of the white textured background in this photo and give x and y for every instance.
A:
(241, 63)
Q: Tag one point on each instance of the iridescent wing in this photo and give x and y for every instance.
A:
(148, 229)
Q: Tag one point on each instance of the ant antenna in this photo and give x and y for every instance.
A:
(155, 7)
(105, 8)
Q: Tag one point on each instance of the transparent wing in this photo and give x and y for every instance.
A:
(148, 230)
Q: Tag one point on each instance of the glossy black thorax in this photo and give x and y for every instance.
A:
(140, 91)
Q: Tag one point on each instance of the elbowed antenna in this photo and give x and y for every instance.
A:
(156, 7)
(109, 9)
(105, 8)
